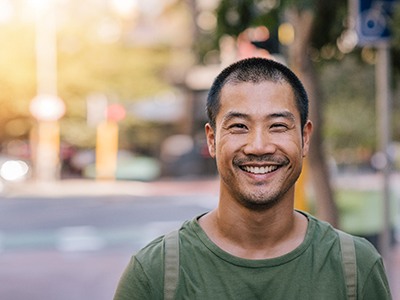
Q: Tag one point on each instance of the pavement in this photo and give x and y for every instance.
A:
(204, 186)
(87, 187)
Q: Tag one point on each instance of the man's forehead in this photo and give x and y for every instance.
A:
(240, 99)
(236, 88)
(272, 84)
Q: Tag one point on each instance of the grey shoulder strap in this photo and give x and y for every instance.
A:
(171, 264)
(349, 263)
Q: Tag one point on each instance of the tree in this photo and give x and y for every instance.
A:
(309, 26)
(395, 27)
(97, 54)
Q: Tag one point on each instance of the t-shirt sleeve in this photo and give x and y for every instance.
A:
(134, 283)
(376, 285)
(372, 281)
(143, 278)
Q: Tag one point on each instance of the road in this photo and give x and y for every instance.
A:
(76, 248)
(72, 240)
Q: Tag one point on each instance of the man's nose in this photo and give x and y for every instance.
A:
(259, 142)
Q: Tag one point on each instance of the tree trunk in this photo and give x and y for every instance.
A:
(300, 61)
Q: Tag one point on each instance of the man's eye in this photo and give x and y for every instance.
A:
(238, 127)
(279, 127)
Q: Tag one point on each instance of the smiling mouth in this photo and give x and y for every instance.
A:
(259, 170)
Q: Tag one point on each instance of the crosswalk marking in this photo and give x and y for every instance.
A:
(85, 238)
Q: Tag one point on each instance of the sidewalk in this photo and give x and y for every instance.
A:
(394, 275)
(86, 187)
(207, 185)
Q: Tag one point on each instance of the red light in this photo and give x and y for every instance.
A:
(116, 112)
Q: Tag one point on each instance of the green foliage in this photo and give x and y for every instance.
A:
(350, 107)
(395, 29)
(145, 137)
(120, 70)
(329, 22)
(75, 131)
(234, 16)
(17, 77)
(361, 211)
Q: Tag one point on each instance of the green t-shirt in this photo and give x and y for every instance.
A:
(311, 271)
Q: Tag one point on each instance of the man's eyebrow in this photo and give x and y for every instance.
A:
(233, 114)
(283, 114)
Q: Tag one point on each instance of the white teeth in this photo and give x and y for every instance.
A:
(260, 170)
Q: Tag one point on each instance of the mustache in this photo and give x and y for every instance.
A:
(267, 158)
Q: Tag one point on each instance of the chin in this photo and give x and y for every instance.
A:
(259, 204)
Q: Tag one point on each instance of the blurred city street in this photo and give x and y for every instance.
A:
(102, 145)
(72, 239)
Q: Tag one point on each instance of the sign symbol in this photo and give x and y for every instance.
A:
(373, 23)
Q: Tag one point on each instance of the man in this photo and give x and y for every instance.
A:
(254, 245)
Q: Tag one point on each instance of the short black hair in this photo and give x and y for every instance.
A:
(256, 70)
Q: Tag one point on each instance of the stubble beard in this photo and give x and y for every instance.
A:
(258, 199)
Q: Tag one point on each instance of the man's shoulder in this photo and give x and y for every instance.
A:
(152, 249)
(153, 252)
(365, 251)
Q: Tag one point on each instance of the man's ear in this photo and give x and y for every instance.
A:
(307, 132)
(210, 135)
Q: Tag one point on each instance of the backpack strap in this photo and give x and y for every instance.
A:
(171, 264)
(349, 263)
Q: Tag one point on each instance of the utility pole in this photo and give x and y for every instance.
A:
(372, 18)
(383, 108)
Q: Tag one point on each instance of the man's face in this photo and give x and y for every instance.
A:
(258, 143)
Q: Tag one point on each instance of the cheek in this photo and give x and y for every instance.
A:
(292, 147)
(297, 150)
(227, 145)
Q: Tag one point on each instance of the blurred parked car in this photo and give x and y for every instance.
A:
(129, 165)
(183, 156)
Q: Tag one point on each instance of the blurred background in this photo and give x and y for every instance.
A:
(102, 114)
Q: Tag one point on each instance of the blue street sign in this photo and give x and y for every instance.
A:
(373, 19)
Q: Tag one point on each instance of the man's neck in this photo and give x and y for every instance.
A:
(255, 234)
